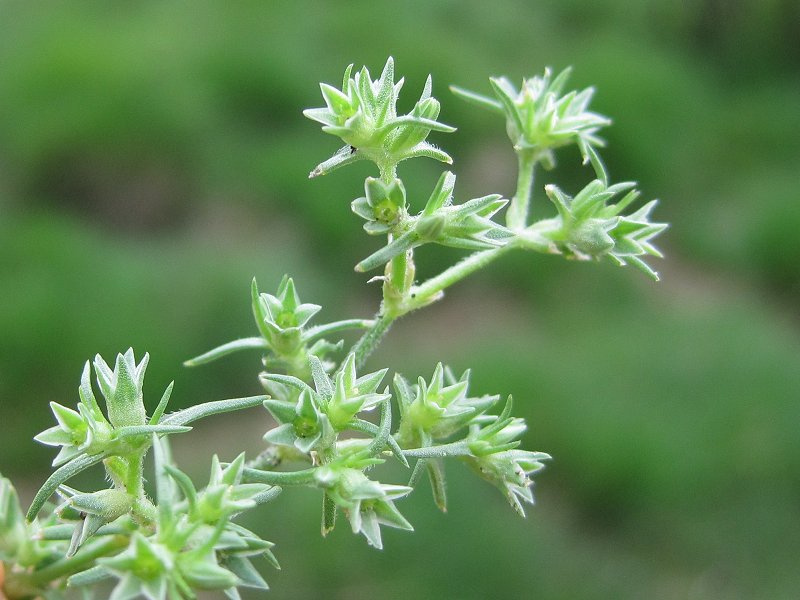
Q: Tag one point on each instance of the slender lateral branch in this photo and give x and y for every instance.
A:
(432, 289)
(371, 338)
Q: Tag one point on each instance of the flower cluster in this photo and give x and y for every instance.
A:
(539, 119)
(284, 335)
(363, 114)
(589, 226)
(195, 545)
(468, 226)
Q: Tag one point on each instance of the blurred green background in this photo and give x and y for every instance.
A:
(153, 158)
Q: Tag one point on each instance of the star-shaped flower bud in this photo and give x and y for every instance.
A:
(225, 495)
(281, 318)
(334, 403)
(589, 227)
(468, 226)
(352, 394)
(284, 332)
(145, 568)
(83, 432)
(88, 432)
(364, 115)
(495, 457)
(302, 424)
(122, 388)
(436, 410)
(383, 206)
(540, 119)
(510, 472)
(368, 504)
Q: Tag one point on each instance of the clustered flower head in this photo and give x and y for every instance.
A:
(539, 119)
(363, 114)
(195, 545)
(589, 226)
(467, 226)
(285, 337)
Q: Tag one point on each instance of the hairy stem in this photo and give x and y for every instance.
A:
(517, 214)
(432, 289)
(371, 338)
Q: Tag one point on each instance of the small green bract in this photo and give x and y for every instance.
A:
(332, 418)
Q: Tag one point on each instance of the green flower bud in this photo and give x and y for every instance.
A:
(592, 238)
(363, 114)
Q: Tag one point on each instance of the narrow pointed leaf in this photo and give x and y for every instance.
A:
(59, 476)
(137, 430)
(343, 157)
(211, 408)
(388, 252)
(329, 510)
(438, 487)
(162, 404)
(225, 349)
(477, 99)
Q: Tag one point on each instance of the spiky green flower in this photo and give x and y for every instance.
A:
(88, 432)
(468, 226)
(383, 206)
(309, 418)
(302, 424)
(368, 504)
(437, 409)
(494, 456)
(589, 226)
(364, 115)
(285, 336)
(539, 119)
(510, 471)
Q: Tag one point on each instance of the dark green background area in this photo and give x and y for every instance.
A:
(154, 158)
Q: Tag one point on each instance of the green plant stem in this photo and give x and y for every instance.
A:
(372, 337)
(517, 214)
(75, 564)
(433, 288)
(135, 480)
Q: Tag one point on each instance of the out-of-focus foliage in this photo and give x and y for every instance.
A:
(153, 159)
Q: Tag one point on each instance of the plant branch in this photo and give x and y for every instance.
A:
(517, 214)
(372, 337)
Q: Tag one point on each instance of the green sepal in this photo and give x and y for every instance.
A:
(244, 570)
